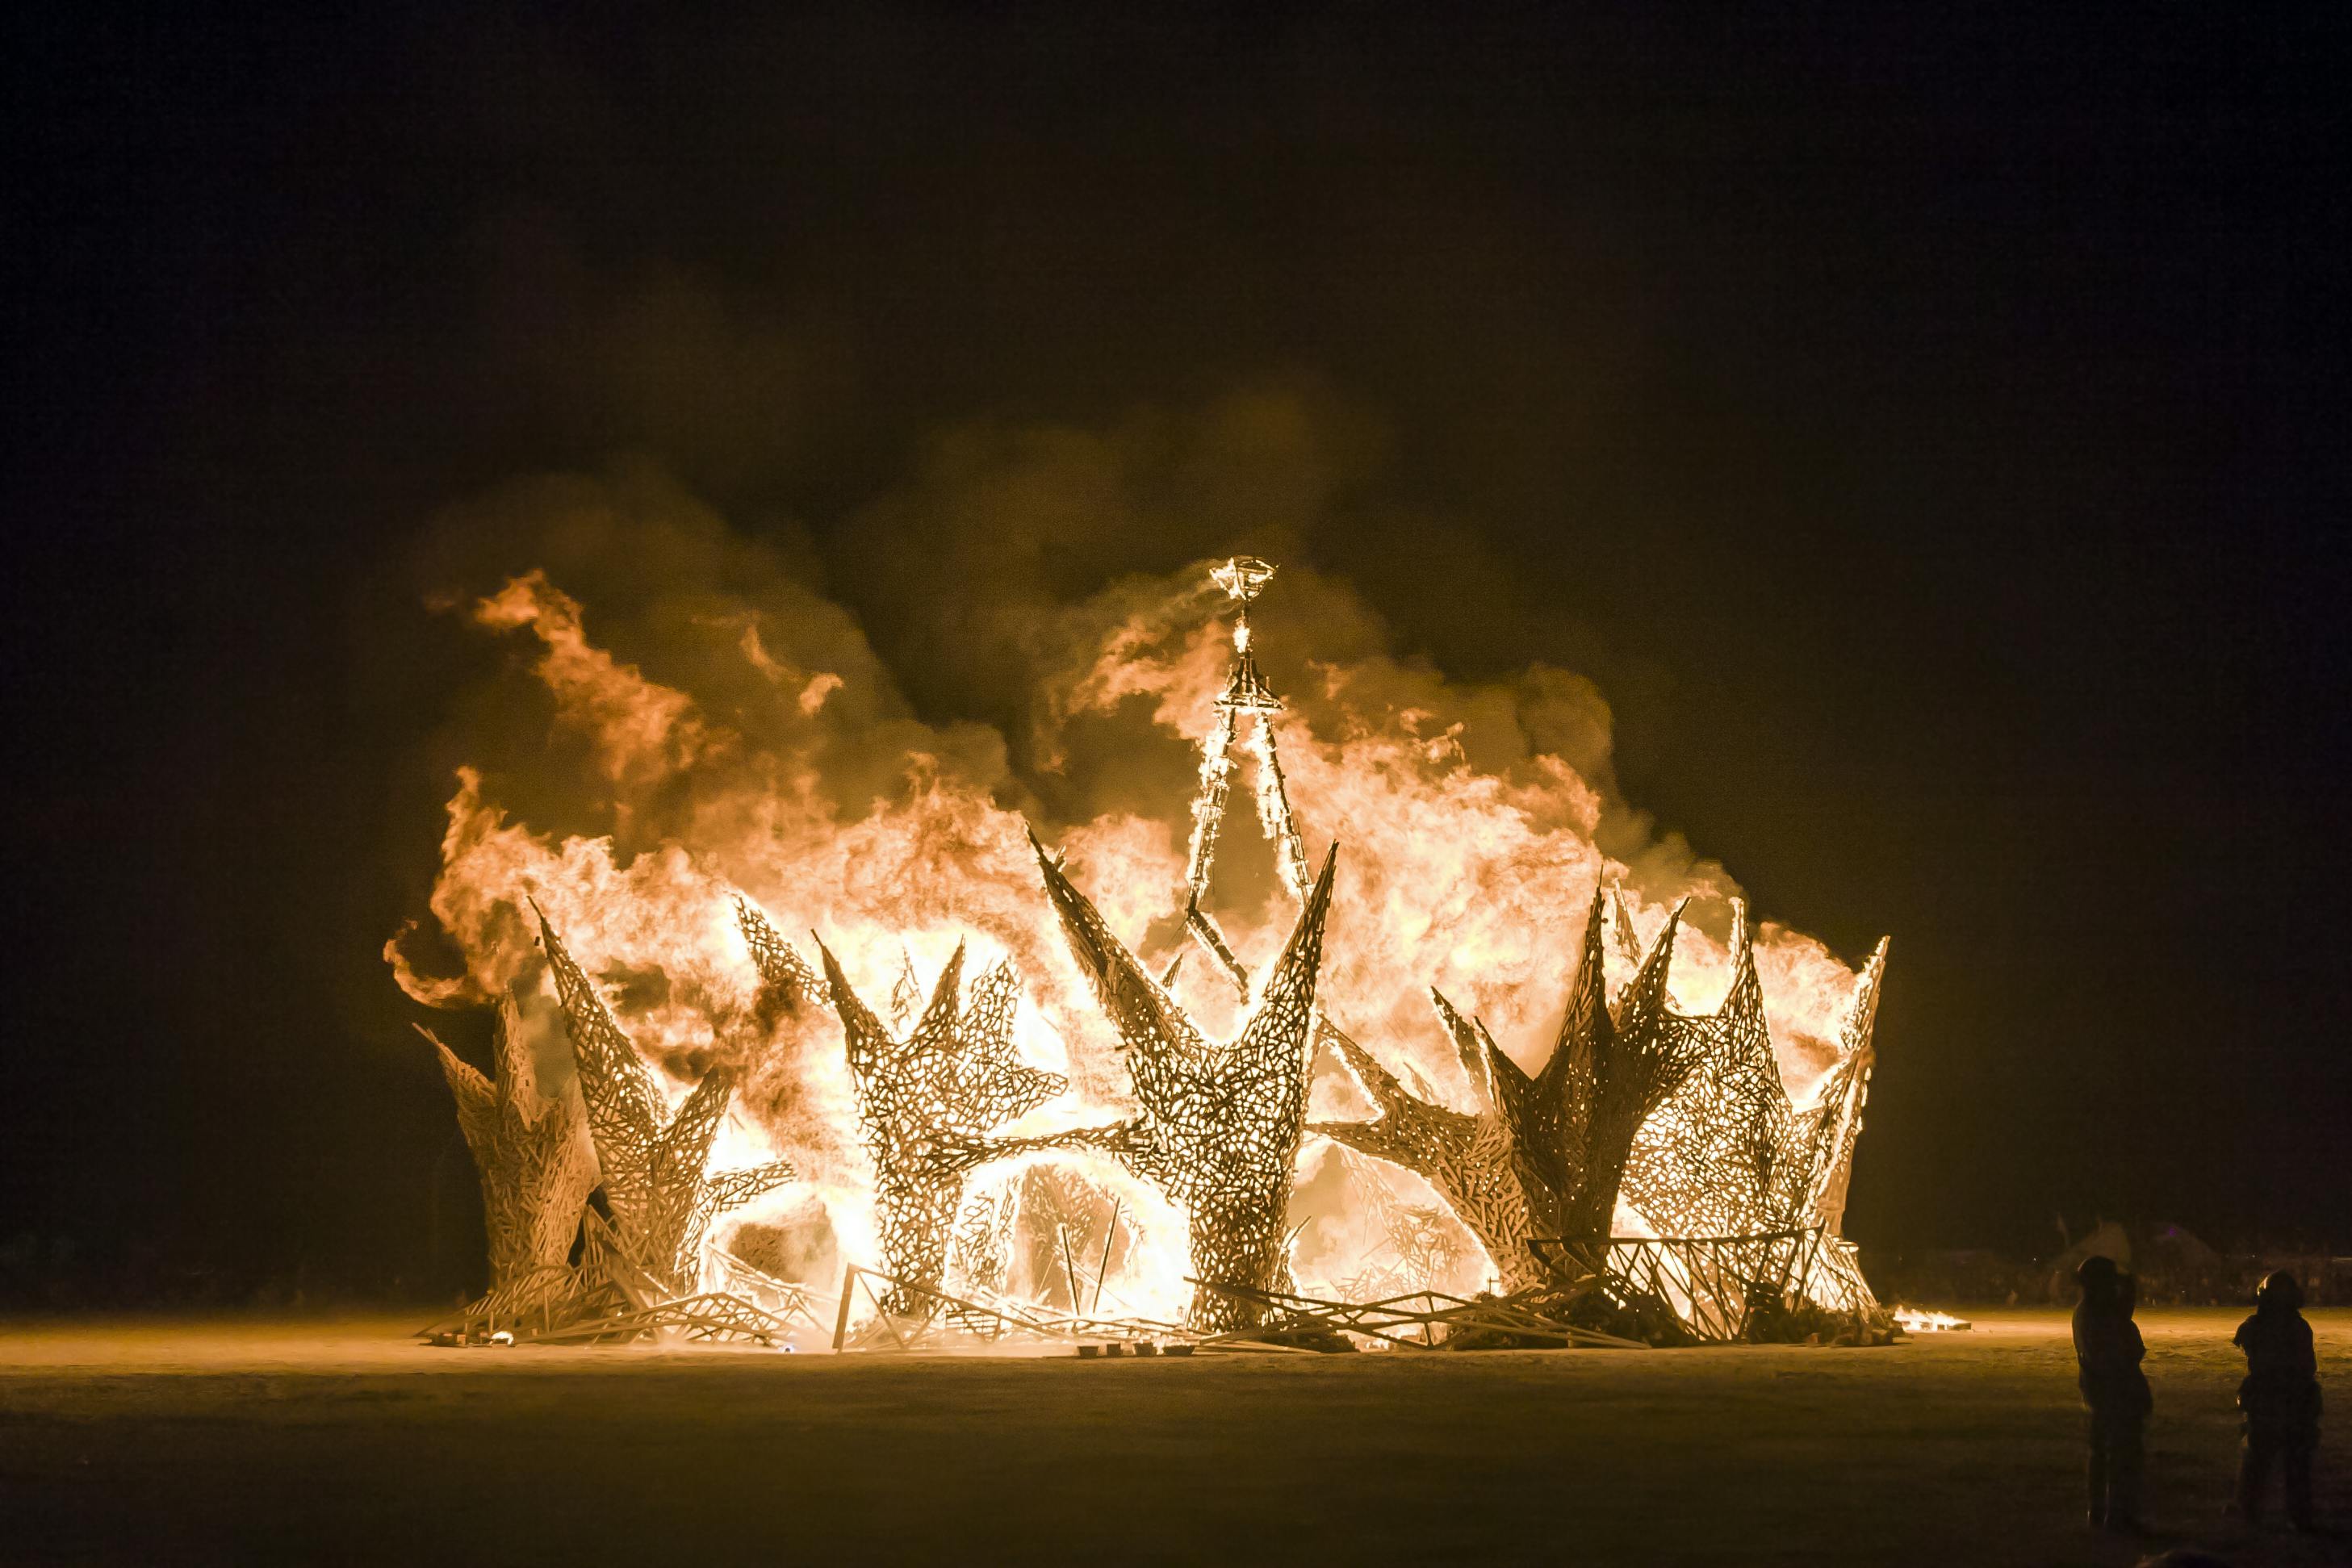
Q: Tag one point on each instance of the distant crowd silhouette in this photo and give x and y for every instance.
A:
(2278, 1402)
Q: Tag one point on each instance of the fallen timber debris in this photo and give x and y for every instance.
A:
(609, 1301)
(932, 1320)
(1722, 1289)
(1418, 1320)
(792, 1302)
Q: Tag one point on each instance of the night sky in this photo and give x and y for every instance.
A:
(1928, 433)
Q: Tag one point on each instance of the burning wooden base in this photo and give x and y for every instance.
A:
(1422, 1320)
(607, 1303)
(908, 1316)
(1723, 1289)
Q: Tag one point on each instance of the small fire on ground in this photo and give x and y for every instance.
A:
(1911, 1320)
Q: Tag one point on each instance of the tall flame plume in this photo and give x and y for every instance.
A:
(758, 764)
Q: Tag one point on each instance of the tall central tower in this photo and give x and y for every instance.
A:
(1243, 577)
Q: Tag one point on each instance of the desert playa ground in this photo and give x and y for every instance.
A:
(171, 1441)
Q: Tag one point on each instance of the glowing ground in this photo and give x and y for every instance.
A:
(177, 1442)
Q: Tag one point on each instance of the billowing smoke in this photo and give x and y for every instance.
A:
(686, 716)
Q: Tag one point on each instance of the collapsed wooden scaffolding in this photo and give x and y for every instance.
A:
(607, 1299)
(1417, 1319)
(1712, 1290)
(1718, 1287)
(907, 1315)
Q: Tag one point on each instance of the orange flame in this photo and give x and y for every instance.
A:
(1471, 859)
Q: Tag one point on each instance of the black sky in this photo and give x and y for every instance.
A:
(1929, 431)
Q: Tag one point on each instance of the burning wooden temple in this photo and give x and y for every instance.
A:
(1655, 1163)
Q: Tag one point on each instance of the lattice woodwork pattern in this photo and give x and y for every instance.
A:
(1058, 1210)
(655, 1165)
(1726, 1155)
(928, 1104)
(1715, 1158)
(788, 985)
(906, 991)
(1621, 927)
(981, 1258)
(1836, 1281)
(1542, 1156)
(1828, 1127)
(531, 1150)
(1422, 1240)
(1715, 1286)
(1220, 1122)
(1468, 1159)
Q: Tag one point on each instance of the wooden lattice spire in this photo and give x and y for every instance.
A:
(654, 1165)
(1714, 1160)
(1829, 1125)
(1543, 1155)
(531, 1150)
(930, 1103)
(1726, 1156)
(1220, 1122)
(788, 985)
(1467, 1157)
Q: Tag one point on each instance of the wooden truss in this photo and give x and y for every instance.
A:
(710, 1316)
(655, 1173)
(1540, 1156)
(531, 1150)
(1246, 693)
(1220, 1122)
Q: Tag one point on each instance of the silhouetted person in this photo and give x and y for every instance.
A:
(2107, 1353)
(2279, 1400)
